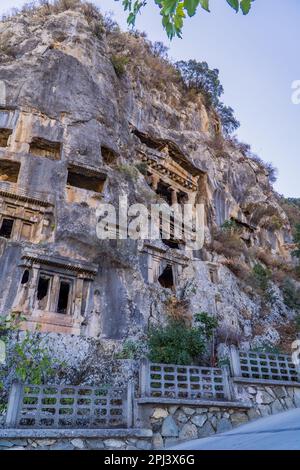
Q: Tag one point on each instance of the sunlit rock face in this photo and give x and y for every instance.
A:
(73, 135)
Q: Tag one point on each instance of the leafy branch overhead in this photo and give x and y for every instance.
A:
(173, 12)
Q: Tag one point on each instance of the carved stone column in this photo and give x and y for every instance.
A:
(174, 197)
(154, 182)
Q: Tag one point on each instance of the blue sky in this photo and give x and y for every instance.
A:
(258, 59)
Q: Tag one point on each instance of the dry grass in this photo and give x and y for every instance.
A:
(240, 270)
(178, 310)
(288, 334)
(150, 68)
(229, 336)
(229, 244)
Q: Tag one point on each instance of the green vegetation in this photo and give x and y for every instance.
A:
(174, 12)
(291, 294)
(179, 343)
(129, 171)
(199, 77)
(119, 63)
(296, 252)
(132, 350)
(267, 347)
(230, 226)
(261, 279)
(26, 359)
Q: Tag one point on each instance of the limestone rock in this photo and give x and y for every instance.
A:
(169, 428)
(280, 392)
(223, 425)
(78, 443)
(159, 413)
(188, 411)
(95, 444)
(114, 443)
(181, 417)
(297, 397)
(188, 432)
(238, 418)
(45, 442)
(263, 398)
(276, 407)
(206, 430)
(143, 445)
(157, 441)
(199, 420)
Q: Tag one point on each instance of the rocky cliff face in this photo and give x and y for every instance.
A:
(77, 130)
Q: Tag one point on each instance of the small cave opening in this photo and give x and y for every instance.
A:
(6, 228)
(9, 171)
(25, 277)
(45, 148)
(86, 181)
(63, 297)
(4, 136)
(109, 157)
(166, 279)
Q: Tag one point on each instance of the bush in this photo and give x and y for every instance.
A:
(178, 343)
(27, 359)
(291, 294)
(291, 207)
(230, 226)
(239, 269)
(119, 63)
(131, 350)
(261, 280)
(261, 276)
(296, 252)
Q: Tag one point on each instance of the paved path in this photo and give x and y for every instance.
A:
(278, 432)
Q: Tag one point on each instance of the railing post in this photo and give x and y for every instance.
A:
(14, 404)
(226, 382)
(145, 378)
(235, 364)
(129, 403)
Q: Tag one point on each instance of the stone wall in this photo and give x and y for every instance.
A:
(162, 423)
(174, 421)
(76, 439)
(266, 397)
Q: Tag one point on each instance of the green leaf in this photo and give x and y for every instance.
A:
(169, 7)
(205, 4)
(234, 4)
(245, 6)
(131, 19)
(191, 6)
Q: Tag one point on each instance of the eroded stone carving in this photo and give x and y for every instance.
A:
(50, 293)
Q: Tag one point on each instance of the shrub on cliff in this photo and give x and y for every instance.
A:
(198, 76)
(179, 343)
(261, 280)
(291, 294)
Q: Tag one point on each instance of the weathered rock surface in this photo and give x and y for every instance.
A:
(68, 113)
